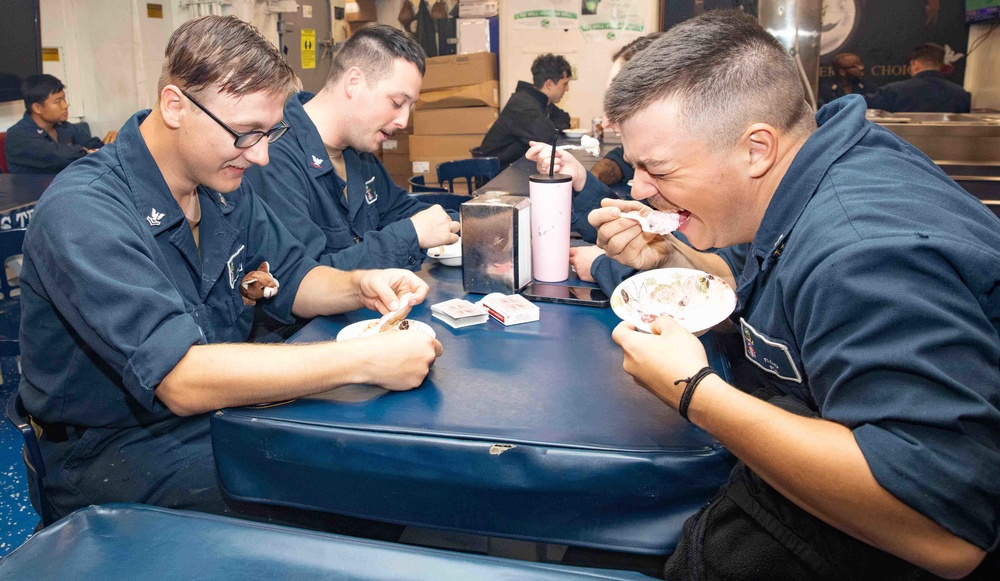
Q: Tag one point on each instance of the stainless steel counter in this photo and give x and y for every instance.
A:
(946, 137)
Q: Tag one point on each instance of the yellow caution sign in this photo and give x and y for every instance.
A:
(308, 48)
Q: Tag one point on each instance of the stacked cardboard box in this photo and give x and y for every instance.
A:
(396, 156)
(359, 13)
(458, 103)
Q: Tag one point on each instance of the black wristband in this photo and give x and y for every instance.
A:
(692, 382)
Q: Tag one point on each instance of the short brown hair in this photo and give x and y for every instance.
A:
(225, 51)
(929, 53)
(373, 49)
(724, 71)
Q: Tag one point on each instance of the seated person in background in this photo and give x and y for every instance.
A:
(142, 264)
(612, 169)
(43, 142)
(866, 424)
(928, 91)
(848, 78)
(531, 113)
(323, 180)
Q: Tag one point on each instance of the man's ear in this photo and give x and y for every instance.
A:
(171, 106)
(37, 111)
(761, 141)
(352, 81)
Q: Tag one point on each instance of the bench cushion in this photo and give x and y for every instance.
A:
(128, 541)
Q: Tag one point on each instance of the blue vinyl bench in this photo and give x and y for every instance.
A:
(127, 541)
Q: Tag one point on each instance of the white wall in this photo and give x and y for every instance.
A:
(981, 78)
(591, 61)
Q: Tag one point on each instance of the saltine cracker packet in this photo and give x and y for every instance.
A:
(510, 309)
(459, 313)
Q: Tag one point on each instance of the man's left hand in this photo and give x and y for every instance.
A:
(656, 360)
(581, 258)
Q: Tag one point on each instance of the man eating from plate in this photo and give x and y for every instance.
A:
(143, 264)
(868, 428)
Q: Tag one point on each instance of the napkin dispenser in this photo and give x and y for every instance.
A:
(496, 243)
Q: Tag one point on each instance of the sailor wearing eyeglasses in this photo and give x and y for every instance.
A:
(142, 267)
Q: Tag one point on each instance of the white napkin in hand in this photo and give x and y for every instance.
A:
(591, 145)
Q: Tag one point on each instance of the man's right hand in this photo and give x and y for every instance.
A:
(399, 360)
(623, 240)
(541, 154)
(435, 227)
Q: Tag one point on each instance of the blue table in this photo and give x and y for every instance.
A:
(18, 195)
(530, 432)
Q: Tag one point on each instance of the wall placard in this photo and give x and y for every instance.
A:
(308, 48)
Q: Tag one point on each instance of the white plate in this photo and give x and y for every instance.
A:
(355, 330)
(575, 134)
(450, 255)
(695, 299)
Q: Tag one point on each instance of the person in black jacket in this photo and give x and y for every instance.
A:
(928, 91)
(43, 142)
(531, 113)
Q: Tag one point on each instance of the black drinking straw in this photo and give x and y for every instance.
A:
(552, 162)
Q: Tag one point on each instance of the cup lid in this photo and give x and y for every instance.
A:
(545, 178)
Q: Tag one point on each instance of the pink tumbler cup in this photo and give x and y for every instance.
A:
(551, 205)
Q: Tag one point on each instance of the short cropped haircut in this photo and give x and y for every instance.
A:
(633, 48)
(724, 72)
(929, 53)
(549, 67)
(37, 88)
(227, 52)
(373, 49)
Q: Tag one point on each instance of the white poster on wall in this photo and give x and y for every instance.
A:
(613, 20)
(546, 14)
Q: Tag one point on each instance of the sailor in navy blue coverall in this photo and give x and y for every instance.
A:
(868, 432)
(363, 219)
(142, 266)
(928, 91)
(43, 142)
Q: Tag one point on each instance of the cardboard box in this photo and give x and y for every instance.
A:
(485, 94)
(361, 10)
(459, 70)
(398, 143)
(396, 163)
(478, 35)
(443, 146)
(465, 120)
(478, 8)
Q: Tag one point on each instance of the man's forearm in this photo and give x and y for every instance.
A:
(818, 465)
(327, 291)
(211, 377)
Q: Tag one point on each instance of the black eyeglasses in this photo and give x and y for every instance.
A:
(248, 138)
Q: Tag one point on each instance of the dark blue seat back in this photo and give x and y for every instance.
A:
(476, 171)
(32, 456)
(11, 242)
(443, 199)
(418, 185)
